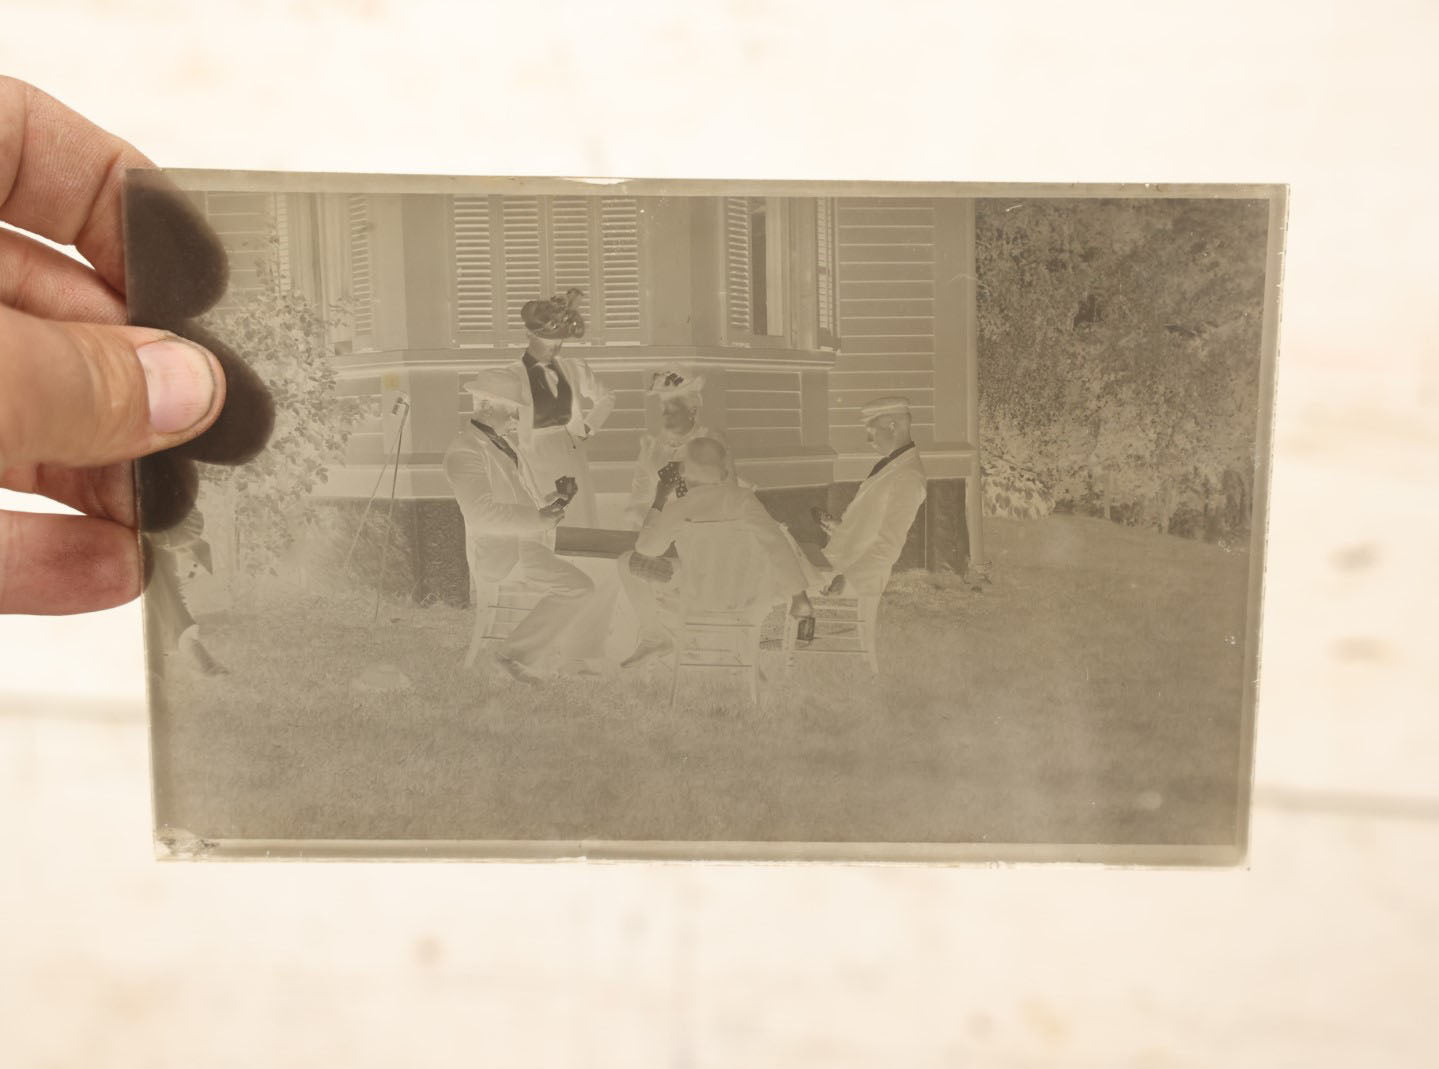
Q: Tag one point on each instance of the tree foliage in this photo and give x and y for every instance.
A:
(284, 335)
(1119, 352)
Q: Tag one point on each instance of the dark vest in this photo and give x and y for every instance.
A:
(551, 409)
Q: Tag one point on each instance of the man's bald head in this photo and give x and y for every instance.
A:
(706, 461)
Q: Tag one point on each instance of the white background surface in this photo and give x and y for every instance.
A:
(1319, 953)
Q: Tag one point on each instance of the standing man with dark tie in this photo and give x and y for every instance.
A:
(564, 403)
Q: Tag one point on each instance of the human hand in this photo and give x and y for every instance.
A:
(80, 393)
(823, 519)
(552, 513)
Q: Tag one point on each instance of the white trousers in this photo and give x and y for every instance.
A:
(555, 629)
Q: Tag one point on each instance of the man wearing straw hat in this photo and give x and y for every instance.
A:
(510, 519)
(866, 541)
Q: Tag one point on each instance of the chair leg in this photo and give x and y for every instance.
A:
(752, 644)
(483, 597)
(869, 615)
(675, 682)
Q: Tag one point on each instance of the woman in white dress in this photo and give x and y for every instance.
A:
(565, 403)
(678, 392)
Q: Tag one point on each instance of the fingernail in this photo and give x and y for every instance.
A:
(180, 383)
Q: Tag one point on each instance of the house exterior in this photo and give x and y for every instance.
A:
(796, 309)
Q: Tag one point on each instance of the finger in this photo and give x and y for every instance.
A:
(45, 282)
(107, 492)
(60, 176)
(83, 395)
(176, 267)
(56, 565)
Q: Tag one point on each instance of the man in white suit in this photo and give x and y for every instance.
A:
(509, 527)
(865, 542)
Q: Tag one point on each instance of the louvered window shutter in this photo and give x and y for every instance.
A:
(620, 267)
(508, 250)
(282, 242)
(524, 266)
(739, 282)
(570, 245)
(826, 242)
(362, 295)
(475, 288)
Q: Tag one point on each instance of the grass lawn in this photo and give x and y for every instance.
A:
(1092, 694)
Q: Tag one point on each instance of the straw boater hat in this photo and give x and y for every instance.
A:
(884, 406)
(556, 318)
(498, 384)
(674, 381)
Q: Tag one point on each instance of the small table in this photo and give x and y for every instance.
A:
(612, 544)
(593, 542)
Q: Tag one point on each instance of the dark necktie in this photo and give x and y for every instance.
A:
(503, 446)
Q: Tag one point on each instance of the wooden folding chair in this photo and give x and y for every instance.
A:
(844, 626)
(726, 597)
(499, 609)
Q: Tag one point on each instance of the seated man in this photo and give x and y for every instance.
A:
(704, 490)
(679, 397)
(865, 542)
(509, 524)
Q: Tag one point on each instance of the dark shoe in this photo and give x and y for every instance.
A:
(199, 657)
(518, 671)
(648, 649)
(804, 634)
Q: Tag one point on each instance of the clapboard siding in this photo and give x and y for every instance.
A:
(764, 442)
(763, 417)
(886, 259)
(860, 270)
(846, 407)
(739, 379)
(886, 380)
(751, 399)
(763, 412)
(888, 305)
(626, 419)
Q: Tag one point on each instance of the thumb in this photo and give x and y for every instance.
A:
(83, 394)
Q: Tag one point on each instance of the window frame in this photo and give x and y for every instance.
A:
(780, 329)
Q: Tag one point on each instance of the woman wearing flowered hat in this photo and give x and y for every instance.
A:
(678, 392)
(564, 402)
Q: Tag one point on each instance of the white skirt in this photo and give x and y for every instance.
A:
(554, 453)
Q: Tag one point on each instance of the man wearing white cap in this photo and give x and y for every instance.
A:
(678, 392)
(865, 542)
(509, 524)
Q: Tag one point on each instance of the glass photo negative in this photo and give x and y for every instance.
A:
(555, 518)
